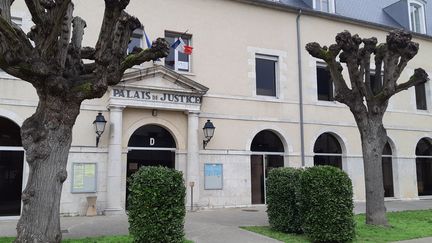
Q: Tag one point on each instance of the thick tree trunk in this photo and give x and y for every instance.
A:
(47, 137)
(374, 138)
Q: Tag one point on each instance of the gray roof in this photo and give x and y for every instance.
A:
(392, 13)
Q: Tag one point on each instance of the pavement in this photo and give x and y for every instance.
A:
(204, 226)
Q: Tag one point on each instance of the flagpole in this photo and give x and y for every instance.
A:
(184, 33)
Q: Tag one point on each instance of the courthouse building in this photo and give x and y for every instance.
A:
(249, 75)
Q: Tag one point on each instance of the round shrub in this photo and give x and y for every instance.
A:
(326, 204)
(157, 205)
(282, 186)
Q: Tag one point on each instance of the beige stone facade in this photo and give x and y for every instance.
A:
(227, 36)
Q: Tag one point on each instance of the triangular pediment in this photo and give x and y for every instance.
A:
(160, 78)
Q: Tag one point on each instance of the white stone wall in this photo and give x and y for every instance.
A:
(236, 180)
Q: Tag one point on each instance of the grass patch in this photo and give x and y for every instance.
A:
(404, 226)
(102, 239)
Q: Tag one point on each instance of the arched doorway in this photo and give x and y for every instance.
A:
(328, 151)
(150, 145)
(387, 170)
(424, 167)
(267, 153)
(11, 168)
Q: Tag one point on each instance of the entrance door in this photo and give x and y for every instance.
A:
(11, 168)
(138, 158)
(261, 165)
(268, 150)
(150, 145)
(257, 179)
(424, 167)
(387, 169)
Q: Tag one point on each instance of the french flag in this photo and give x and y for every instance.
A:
(180, 46)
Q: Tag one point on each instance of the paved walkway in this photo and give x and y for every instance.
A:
(207, 226)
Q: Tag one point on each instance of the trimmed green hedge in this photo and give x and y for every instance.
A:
(157, 205)
(326, 204)
(282, 208)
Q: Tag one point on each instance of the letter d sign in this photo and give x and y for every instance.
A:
(152, 141)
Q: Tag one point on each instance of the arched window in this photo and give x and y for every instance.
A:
(424, 167)
(152, 136)
(267, 153)
(10, 133)
(328, 151)
(11, 168)
(387, 169)
(267, 141)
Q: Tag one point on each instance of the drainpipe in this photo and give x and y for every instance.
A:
(300, 76)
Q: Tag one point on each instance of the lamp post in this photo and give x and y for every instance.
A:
(208, 130)
(99, 124)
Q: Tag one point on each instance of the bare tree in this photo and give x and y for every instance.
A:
(51, 58)
(367, 104)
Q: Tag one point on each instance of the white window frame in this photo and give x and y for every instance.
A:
(331, 3)
(422, 16)
(277, 85)
(176, 53)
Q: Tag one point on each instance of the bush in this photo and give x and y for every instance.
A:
(326, 204)
(157, 205)
(282, 207)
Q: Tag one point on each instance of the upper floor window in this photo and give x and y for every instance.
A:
(177, 59)
(420, 92)
(135, 40)
(376, 85)
(324, 5)
(266, 74)
(324, 83)
(417, 16)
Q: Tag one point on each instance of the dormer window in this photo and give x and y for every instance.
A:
(324, 5)
(417, 16)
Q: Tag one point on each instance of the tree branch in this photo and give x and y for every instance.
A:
(365, 53)
(113, 9)
(351, 55)
(37, 11)
(5, 10)
(159, 49)
(78, 32)
(329, 56)
(65, 34)
(88, 53)
(57, 29)
(420, 76)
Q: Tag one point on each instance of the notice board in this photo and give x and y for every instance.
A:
(213, 176)
(84, 177)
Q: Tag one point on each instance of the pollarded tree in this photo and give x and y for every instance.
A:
(367, 104)
(51, 58)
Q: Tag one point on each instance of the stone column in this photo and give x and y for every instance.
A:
(193, 173)
(114, 167)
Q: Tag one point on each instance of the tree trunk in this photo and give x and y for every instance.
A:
(374, 137)
(46, 137)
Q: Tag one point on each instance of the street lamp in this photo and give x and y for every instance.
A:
(208, 130)
(99, 125)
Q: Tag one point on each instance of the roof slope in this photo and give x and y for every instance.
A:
(367, 10)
